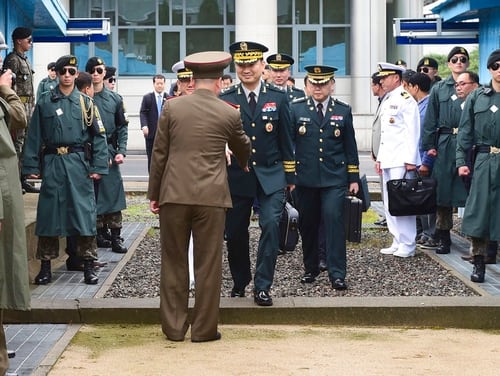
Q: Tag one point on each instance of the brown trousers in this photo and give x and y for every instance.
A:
(4, 359)
(207, 226)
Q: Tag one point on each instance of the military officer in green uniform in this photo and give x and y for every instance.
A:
(439, 139)
(280, 72)
(327, 167)
(265, 113)
(48, 83)
(111, 197)
(480, 128)
(67, 126)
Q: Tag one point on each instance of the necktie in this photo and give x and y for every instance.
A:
(320, 112)
(159, 103)
(252, 103)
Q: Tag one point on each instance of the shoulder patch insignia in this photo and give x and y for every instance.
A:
(405, 94)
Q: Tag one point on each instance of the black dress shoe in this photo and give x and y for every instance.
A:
(11, 354)
(339, 284)
(466, 258)
(237, 293)
(263, 298)
(28, 187)
(322, 266)
(308, 278)
(217, 337)
(381, 222)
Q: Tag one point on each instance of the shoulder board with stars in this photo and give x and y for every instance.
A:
(338, 101)
(229, 89)
(273, 87)
(405, 94)
(299, 100)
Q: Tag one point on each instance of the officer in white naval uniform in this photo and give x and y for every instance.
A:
(398, 152)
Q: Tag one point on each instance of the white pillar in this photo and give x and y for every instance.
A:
(256, 21)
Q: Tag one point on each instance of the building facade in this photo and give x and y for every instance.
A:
(148, 36)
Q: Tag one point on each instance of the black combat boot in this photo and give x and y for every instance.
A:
(444, 242)
(478, 270)
(28, 187)
(45, 275)
(89, 273)
(117, 241)
(102, 238)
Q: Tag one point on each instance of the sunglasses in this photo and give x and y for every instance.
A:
(99, 70)
(111, 80)
(455, 59)
(71, 71)
(424, 70)
(495, 66)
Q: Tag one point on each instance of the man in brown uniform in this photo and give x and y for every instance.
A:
(188, 187)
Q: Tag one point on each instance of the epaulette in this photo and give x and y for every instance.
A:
(488, 91)
(299, 100)
(405, 95)
(338, 101)
(272, 86)
(297, 89)
(234, 105)
(229, 89)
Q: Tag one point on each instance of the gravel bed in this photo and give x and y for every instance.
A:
(369, 273)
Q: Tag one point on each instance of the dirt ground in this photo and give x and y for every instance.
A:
(282, 350)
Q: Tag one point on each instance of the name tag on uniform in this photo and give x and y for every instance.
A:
(454, 97)
(493, 108)
(59, 112)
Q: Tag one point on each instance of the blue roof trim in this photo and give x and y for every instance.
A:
(409, 40)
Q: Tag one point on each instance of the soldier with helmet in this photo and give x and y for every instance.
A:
(327, 167)
(17, 61)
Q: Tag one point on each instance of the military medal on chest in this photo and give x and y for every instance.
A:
(302, 129)
(269, 126)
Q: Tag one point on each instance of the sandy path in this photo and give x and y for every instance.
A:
(283, 350)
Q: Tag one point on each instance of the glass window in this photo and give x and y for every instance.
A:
(336, 44)
(163, 12)
(300, 12)
(285, 11)
(203, 12)
(171, 53)
(336, 12)
(285, 40)
(230, 12)
(136, 52)
(177, 12)
(307, 49)
(314, 12)
(129, 13)
(204, 40)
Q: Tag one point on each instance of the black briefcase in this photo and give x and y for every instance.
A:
(289, 228)
(412, 196)
(364, 193)
(353, 211)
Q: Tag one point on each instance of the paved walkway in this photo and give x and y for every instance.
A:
(38, 346)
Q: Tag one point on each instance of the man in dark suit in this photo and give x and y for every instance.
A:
(150, 110)
(188, 187)
(265, 112)
(327, 169)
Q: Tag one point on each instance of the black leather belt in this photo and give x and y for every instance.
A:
(448, 130)
(487, 149)
(61, 150)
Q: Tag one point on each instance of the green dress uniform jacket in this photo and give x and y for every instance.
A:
(272, 161)
(66, 205)
(326, 154)
(480, 127)
(47, 84)
(14, 280)
(440, 128)
(111, 198)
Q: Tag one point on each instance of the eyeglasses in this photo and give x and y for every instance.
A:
(185, 80)
(495, 66)
(71, 71)
(455, 59)
(111, 80)
(99, 70)
(460, 84)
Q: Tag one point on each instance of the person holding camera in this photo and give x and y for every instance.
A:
(75, 153)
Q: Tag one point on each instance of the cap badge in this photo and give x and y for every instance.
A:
(426, 62)
(243, 46)
(278, 57)
(72, 61)
(317, 70)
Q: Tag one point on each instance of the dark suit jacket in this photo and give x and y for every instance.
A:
(272, 161)
(189, 164)
(149, 113)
